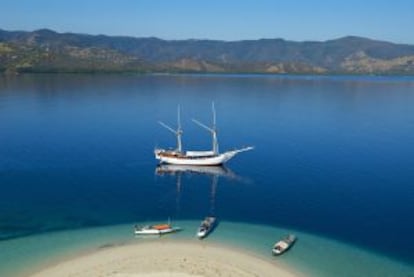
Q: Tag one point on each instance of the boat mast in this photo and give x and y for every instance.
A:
(212, 130)
(177, 132)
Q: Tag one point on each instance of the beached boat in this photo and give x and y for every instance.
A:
(158, 229)
(283, 245)
(206, 226)
(199, 158)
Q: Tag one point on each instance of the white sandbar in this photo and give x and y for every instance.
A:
(166, 259)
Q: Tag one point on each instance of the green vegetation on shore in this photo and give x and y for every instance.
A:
(48, 51)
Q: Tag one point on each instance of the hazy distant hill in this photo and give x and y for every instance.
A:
(48, 51)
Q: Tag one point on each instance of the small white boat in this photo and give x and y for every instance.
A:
(284, 244)
(158, 229)
(206, 226)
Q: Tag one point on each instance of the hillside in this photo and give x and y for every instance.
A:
(49, 51)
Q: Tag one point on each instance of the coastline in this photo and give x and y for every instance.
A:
(167, 258)
(311, 256)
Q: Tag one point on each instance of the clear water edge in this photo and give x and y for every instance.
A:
(311, 255)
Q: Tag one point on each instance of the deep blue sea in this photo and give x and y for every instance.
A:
(333, 157)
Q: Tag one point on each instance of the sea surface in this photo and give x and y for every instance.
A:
(333, 163)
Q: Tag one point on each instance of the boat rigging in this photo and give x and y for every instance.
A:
(199, 158)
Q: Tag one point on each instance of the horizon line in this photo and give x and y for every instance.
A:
(203, 39)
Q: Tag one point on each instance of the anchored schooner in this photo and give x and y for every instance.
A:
(180, 157)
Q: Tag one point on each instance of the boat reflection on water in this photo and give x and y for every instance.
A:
(219, 171)
(214, 172)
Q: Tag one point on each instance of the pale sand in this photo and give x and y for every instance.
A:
(167, 259)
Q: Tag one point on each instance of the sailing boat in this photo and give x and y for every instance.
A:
(199, 158)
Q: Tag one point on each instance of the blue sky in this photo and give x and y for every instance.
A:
(213, 19)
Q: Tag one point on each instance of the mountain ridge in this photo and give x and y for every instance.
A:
(45, 50)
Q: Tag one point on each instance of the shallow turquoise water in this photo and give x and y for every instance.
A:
(311, 255)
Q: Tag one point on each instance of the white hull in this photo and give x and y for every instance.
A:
(156, 232)
(197, 160)
(207, 225)
(201, 234)
(158, 229)
(283, 245)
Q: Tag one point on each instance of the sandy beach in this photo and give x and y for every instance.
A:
(166, 259)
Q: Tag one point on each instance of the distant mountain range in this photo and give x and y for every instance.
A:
(48, 51)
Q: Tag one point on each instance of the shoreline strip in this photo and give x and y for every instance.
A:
(167, 258)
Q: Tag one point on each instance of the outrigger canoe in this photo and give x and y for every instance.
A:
(159, 229)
